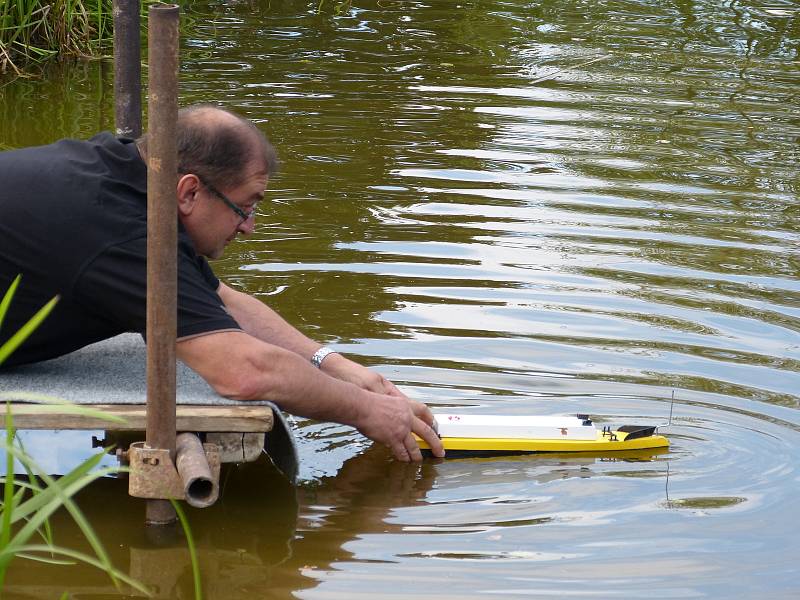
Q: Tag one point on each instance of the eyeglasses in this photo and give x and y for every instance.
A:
(244, 216)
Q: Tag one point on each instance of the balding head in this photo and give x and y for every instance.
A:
(220, 146)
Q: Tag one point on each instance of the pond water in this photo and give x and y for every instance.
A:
(506, 208)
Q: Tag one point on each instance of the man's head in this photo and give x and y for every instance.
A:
(224, 162)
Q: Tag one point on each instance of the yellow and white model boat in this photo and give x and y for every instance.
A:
(512, 434)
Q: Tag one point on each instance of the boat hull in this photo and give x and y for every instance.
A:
(614, 441)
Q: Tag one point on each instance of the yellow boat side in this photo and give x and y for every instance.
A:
(601, 444)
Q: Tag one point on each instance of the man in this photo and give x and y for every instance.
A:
(73, 223)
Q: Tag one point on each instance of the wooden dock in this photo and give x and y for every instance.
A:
(198, 418)
(110, 377)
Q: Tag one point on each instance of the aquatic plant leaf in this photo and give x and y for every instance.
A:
(9, 494)
(45, 559)
(54, 495)
(86, 558)
(7, 297)
(45, 531)
(26, 330)
(198, 590)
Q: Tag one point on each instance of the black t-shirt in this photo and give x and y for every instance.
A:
(73, 222)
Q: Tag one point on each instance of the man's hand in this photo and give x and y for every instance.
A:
(422, 422)
(391, 420)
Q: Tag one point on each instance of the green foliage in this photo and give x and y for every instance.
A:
(339, 6)
(32, 31)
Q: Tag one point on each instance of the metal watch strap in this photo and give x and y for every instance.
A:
(320, 355)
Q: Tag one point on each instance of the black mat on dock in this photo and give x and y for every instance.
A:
(109, 372)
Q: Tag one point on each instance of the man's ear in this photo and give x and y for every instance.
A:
(187, 190)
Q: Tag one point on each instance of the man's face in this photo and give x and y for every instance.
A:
(215, 223)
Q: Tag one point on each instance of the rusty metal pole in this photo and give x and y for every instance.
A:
(127, 69)
(162, 239)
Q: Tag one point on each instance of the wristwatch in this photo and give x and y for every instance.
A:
(320, 355)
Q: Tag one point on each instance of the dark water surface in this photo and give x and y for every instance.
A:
(505, 207)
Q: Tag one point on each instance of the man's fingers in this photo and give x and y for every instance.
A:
(400, 452)
(423, 430)
(392, 390)
(421, 411)
(394, 421)
(412, 448)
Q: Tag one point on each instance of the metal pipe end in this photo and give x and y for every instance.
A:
(163, 6)
(199, 484)
(201, 492)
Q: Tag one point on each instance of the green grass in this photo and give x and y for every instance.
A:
(34, 30)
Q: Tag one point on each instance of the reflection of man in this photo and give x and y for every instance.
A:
(275, 533)
(73, 223)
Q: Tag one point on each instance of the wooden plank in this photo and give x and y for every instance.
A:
(237, 447)
(189, 417)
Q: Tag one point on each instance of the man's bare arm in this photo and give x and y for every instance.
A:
(242, 367)
(260, 321)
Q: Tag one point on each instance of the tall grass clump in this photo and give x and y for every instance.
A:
(34, 30)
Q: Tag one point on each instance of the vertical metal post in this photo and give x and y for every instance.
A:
(127, 69)
(162, 238)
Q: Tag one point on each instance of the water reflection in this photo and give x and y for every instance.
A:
(265, 533)
(75, 100)
(257, 511)
(370, 512)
